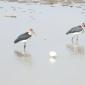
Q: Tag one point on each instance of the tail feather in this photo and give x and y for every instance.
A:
(67, 33)
(16, 41)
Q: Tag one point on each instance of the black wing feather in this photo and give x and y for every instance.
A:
(23, 36)
(75, 29)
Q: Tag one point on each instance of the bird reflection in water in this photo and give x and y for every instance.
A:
(52, 59)
(24, 57)
(76, 49)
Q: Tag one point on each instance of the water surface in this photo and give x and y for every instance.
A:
(50, 25)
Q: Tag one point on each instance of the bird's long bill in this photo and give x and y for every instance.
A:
(33, 32)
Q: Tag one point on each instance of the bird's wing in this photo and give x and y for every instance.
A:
(23, 36)
(74, 29)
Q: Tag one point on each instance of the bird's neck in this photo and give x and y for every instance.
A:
(30, 33)
(82, 27)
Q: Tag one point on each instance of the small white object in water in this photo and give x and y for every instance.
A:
(52, 56)
(52, 53)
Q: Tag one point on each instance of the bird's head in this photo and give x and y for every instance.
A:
(83, 25)
(31, 31)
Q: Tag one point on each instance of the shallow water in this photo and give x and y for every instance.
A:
(50, 24)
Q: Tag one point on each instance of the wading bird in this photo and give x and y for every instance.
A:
(76, 31)
(24, 37)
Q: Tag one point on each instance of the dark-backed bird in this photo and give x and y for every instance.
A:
(76, 31)
(24, 37)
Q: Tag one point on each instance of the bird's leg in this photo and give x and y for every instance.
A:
(72, 39)
(77, 38)
(24, 46)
